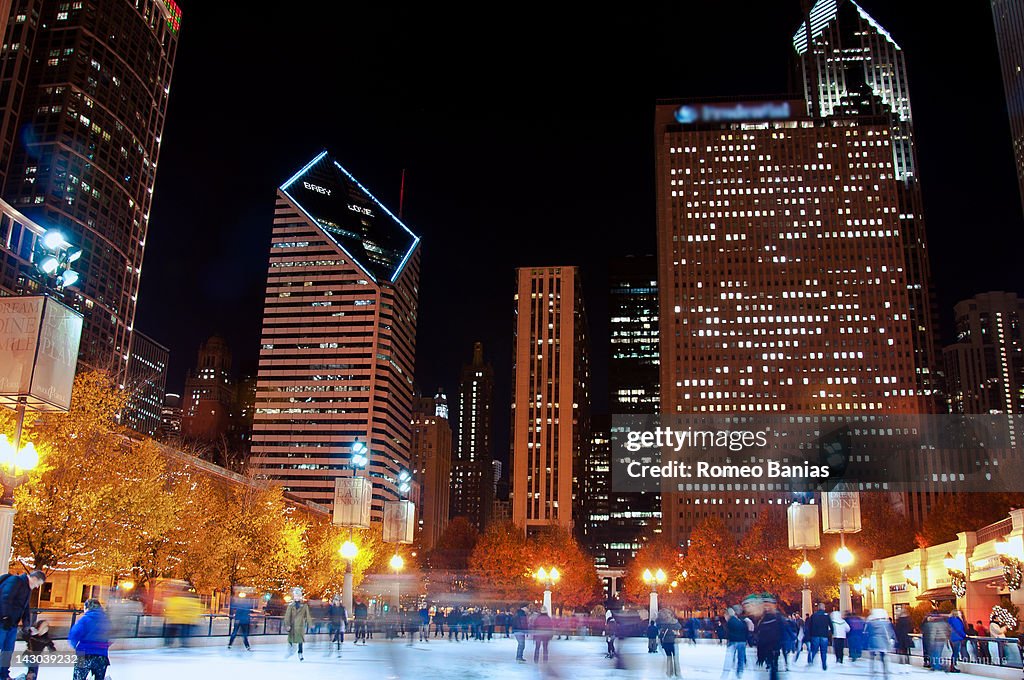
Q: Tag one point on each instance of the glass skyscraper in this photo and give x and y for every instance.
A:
(1008, 16)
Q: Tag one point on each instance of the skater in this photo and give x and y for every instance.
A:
(424, 615)
(337, 620)
(90, 638)
(360, 613)
(520, 624)
(297, 619)
(935, 634)
(736, 635)
(820, 629)
(609, 634)
(790, 638)
(14, 611)
(769, 635)
(542, 632)
(839, 630)
(957, 640)
(243, 618)
(879, 636)
(37, 640)
(668, 643)
(652, 637)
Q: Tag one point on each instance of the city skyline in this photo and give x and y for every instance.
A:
(444, 130)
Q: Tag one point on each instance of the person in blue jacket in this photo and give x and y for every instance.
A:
(957, 636)
(90, 638)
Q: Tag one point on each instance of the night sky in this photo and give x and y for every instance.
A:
(527, 137)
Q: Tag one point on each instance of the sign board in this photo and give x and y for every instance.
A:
(399, 521)
(803, 527)
(725, 112)
(840, 511)
(39, 339)
(352, 497)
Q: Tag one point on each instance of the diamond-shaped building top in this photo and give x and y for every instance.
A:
(352, 217)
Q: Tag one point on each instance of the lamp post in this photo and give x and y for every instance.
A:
(653, 581)
(864, 589)
(548, 577)
(844, 558)
(357, 461)
(805, 570)
(1011, 554)
(956, 567)
(396, 566)
(912, 576)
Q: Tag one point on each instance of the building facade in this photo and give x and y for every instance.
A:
(855, 67)
(209, 399)
(783, 275)
(146, 383)
(472, 485)
(551, 400)
(985, 366)
(1008, 16)
(339, 337)
(633, 368)
(431, 466)
(85, 87)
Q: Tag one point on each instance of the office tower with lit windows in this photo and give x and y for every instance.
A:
(633, 375)
(146, 383)
(594, 492)
(84, 87)
(431, 459)
(209, 393)
(783, 275)
(339, 337)
(1008, 16)
(855, 67)
(472, 483)
(985, 366)
(550, 400)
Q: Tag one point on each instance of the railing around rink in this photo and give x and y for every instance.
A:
(138, 625)
(990, 651)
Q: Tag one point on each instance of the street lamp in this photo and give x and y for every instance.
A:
(864, 587)
(1011, 554)
(56, 255)
(653, 581)
(956, 567)
(548, 577)
(844, 558)
(396, 565)
(358, 460)
(912, 576)
(805, 571)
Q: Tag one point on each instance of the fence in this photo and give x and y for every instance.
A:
(990, 651)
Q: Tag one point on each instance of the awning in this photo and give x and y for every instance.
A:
(944, 593)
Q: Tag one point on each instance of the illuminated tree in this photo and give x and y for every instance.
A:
(454, 546)
(579, 585)
(711, 565)
(660, 553)
(498, 563)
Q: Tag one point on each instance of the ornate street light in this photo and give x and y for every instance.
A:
(844, 558)
(912, 576)
(1011, 554)
(396, 564)
(549, 577)
(956, 568)
(653, 580)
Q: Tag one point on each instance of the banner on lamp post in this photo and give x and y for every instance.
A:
(803, 527)
(399, 521)
(840, 511)
(39, 339)
(352, 502)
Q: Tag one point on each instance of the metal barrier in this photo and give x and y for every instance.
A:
(152, 626)
(991, 651)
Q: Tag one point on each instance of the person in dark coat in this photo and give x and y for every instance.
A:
(652, 637)
(242, 609)
(361, 614)
(543, 629)
(337, 621)
(15, 591)
(669, 631)
(769, 633)
(819, 628)
(90, 638)
(903, 628)
(520, 625)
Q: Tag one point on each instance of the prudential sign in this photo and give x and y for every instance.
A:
(713, 113)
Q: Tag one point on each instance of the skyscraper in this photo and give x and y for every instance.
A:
(472, 472)
(209, 393)
(782, 267)
(84, 87)
(855, 67)
(633, 367)
(431, 466)
(146, 382)
(551, 400)
(1008, 16)
(985, 366)
(339, 337)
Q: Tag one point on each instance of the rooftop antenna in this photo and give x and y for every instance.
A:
(401, 195)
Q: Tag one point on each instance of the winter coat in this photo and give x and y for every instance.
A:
(521, 622)
(297, 618)
(14, 595)
(91, 633)
(769, 634)
(243, 610)
(337, 617)
(819, 625)
(878, 635)
(903, 628)
(542, 627)
(360, 611)
(736, 629)
(935, 631)
(957, 632)
(182, 610)
(839, 627)
(995, 630)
